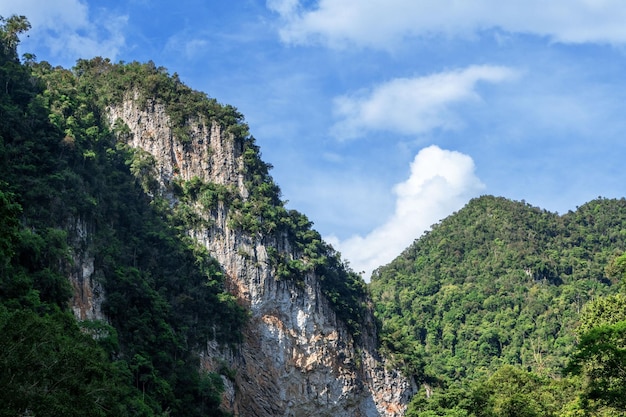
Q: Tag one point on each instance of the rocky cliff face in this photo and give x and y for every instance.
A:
(297, 357)
(88, 293)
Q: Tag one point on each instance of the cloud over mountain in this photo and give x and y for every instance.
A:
(440, 182)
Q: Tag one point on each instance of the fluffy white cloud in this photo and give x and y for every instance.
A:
(440, 183)
(382, 23)
(413, 105)
(69, 30)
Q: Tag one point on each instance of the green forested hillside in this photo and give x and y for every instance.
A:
(63, 167)
(59, 165)
(502, 309)
(498, 283)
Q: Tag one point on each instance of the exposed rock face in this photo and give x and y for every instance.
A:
(88, 292)
(297, 358)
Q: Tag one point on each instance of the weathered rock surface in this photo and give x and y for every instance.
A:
(297, 358)
(88, 293)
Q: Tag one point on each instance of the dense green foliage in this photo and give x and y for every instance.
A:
(593, 384)
(508, 392)
(262, 213)
(499, 283)
(600, 356)
(62, 170)
(72, 188)
(487, 309)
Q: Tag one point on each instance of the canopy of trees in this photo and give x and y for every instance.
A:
(502, 283)
(502, 309)
(61, 165)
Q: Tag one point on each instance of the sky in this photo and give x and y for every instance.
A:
(383, 117)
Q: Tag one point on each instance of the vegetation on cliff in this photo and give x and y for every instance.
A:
(490, 299)
(61, 170)
(502, 309)
(70, 186)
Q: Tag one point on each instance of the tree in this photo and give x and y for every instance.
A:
(616, 270)
(601, 353)
(511, 392)
(9, 30)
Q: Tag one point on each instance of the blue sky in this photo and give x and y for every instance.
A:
(382, 117)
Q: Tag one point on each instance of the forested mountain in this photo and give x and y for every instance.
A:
(148, 266)
(498, 283)
(60, 170)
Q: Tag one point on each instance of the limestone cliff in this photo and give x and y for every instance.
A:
(297, 358)
(88, 294)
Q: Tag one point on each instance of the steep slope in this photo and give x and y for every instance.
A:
(303, 353)
(499, 282)
(196, 285)
(310, 347)
(69, 207)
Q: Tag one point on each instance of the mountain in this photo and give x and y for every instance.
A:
(498, 283)
(149, 266)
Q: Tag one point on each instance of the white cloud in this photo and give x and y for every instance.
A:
(283, 7)
(413, 105)
(69, 30)
(191, 47)
(383, 23)
(440, 183)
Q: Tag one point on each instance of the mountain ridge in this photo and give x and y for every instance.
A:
(205, 294)
(498, 283)
(145, 242)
